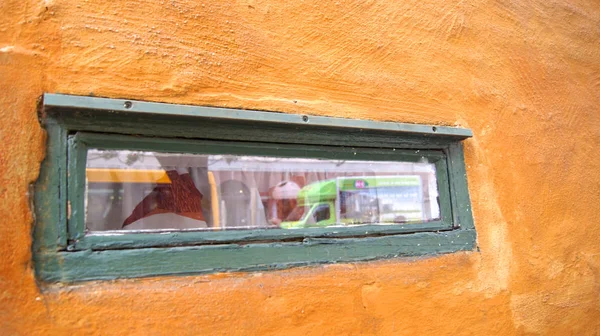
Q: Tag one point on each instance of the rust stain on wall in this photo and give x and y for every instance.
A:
(524, 76)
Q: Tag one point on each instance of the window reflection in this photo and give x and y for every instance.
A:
(134, 190)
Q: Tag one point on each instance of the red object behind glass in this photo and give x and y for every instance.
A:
(180, 197)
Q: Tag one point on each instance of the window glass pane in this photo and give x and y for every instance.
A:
(136, 190)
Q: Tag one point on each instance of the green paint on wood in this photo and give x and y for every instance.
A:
(79, 143)
(125, 240)
(77, 155)
(461, 202)
(64, 252)
(171, 111)
(50, 191)
(112, 264)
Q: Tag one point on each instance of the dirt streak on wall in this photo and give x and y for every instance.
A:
(524, 76)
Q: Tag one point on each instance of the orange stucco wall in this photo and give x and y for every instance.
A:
(523, 75)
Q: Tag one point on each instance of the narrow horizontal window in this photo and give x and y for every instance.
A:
(144, 190)
(198, 190)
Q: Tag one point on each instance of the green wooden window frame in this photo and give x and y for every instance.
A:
(62, 250)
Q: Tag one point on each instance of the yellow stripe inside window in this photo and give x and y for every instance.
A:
(115, 175)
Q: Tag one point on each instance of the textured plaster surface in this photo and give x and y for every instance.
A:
(523, 75)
